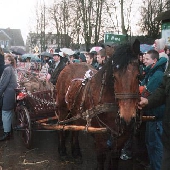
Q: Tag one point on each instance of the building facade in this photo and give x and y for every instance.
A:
(11, 38)
(46, 42)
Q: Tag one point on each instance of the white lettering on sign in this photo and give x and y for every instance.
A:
(107, 36)
(112, 38)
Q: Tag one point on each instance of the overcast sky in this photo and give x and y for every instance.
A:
(19, 14)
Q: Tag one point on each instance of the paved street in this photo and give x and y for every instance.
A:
(44, 155)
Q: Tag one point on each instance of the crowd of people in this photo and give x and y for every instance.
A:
(154, 68)
(154, 88)
(61, 58)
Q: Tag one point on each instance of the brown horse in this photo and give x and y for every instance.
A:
(100, 99)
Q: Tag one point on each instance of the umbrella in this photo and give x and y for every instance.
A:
(46, 54)
(18, 50)
(95, 49)
(33, 57)
(145, 47)
(67, 51)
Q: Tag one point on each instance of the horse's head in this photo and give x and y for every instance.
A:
(126, 84)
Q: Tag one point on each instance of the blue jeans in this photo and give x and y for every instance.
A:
(7, 117)
(154, 143)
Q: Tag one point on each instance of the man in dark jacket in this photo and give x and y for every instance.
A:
(159, 97)
(56, 67)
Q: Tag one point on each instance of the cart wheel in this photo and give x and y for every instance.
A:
(24, 120)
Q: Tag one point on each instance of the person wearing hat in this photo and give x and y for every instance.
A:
(66, 52)
(56, 67)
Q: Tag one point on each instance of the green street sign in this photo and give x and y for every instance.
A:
(115, 38)
(166, 26)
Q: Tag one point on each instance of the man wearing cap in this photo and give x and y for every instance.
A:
(56, 67)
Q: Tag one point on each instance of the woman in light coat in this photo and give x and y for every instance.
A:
(8, 83)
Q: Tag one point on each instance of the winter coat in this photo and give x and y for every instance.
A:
(1, 64)
(55, 71)
(159, 97)
(152, 80)
(8, 83)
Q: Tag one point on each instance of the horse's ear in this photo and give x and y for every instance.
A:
(136, 46)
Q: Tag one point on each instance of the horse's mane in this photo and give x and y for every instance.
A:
(123, 55)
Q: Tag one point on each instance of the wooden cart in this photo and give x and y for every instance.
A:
(37, 111)
(32, 109)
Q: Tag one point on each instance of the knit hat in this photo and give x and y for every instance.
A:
(160, 44)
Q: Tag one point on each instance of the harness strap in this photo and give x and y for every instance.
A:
(102, 87)
(98, 109)
(102, 108)
(78, 92)
(84, 95)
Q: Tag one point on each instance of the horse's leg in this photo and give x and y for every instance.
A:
(75, 147)
(100, 147)
(101, 157)
(62, 112)
(61, 146)
(107, 160)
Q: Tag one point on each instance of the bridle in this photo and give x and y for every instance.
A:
(126, 96)
(122, 96)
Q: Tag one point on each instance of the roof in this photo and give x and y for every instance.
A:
(15, 35)
(4, 36)
(163, 16)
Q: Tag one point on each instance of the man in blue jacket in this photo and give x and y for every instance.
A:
(154, 72)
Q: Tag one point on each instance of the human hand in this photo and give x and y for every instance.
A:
(143, 102)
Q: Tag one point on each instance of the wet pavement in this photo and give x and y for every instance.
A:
(44, 154)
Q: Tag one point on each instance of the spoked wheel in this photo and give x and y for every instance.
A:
(25, 125)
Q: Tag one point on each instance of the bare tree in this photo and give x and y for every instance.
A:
(88, 19)
(149, 11)
(128, 13)
(120, 15)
